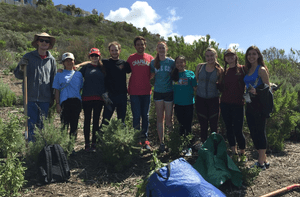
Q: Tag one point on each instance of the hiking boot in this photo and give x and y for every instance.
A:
(262, 167)
(243, 158)
(189, 153)
(147, 145)
(267, 164)
(235, 158)
(162, 148)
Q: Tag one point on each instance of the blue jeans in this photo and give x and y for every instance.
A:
(36, 111)
(120, 104)
(140, 106)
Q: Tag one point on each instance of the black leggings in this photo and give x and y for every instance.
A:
(71, 109)
(88, 107)
(233, 116)
(257, 126)
(184, 114)
(207, 111)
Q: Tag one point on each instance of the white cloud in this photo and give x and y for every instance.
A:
(236, 45)
(191, 38)
(141, 14)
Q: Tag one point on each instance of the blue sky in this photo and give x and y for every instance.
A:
(264, 23)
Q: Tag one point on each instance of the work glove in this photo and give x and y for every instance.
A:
(23, 62)
(106, 99)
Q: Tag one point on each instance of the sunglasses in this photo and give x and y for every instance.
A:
(94, 55)
(42, 40)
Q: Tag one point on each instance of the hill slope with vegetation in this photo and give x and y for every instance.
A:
(18, 24)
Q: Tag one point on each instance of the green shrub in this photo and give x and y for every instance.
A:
(6, 71)
(177, 142)
(7, 97)
(11, 137)
(6, 58)
(93, 19)
(2, 44)
(12, 67)
(249, 174)
(11, 175)
(118, 145)
(283, 120)
(154, 166)
(51, 135)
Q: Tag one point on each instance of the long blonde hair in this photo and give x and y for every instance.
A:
(157, 60)
(217, 64)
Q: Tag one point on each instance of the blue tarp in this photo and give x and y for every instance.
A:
(180, 179)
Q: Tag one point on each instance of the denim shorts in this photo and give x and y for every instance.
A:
(167, 97)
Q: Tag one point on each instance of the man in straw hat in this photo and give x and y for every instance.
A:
(41, 68)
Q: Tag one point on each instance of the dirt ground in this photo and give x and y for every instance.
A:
(90, 175)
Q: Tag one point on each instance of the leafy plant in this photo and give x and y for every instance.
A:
(6, 71)
(177, 142)
(154, 166)
(11, 175)
(11, 137)
(50, 134)
(7, 97)
(283, 120)
(118, 145)
(249, 174)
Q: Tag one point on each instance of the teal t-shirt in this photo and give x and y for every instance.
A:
(183, 88)
(163, 82)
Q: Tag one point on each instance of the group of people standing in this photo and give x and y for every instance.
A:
(103, 85)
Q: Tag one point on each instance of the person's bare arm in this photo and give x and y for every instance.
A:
(262, 72)
(82, 64)
(57, 95)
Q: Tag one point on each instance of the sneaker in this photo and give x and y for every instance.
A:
(162, 148)
(189, 153)
(267, 164)
(243, 158)
(262, 167)
(147, 145)
(235, 158)
(184, 150)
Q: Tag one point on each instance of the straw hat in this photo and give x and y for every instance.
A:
(44, 34)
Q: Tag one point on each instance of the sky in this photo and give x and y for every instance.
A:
(240, 23)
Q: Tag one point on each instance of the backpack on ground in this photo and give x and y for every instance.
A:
(180, 179)
(53, 165)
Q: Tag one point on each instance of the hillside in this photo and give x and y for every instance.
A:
(77, 35)
(18, 24)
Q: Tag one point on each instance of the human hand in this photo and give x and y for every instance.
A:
(252, 91)
(58, 108)
(23, 62)
(106, 99)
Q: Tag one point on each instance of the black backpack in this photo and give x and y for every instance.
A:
(53, 165)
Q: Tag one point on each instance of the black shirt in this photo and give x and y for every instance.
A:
(115, 80)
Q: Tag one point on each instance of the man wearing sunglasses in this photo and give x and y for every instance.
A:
(41, 69)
